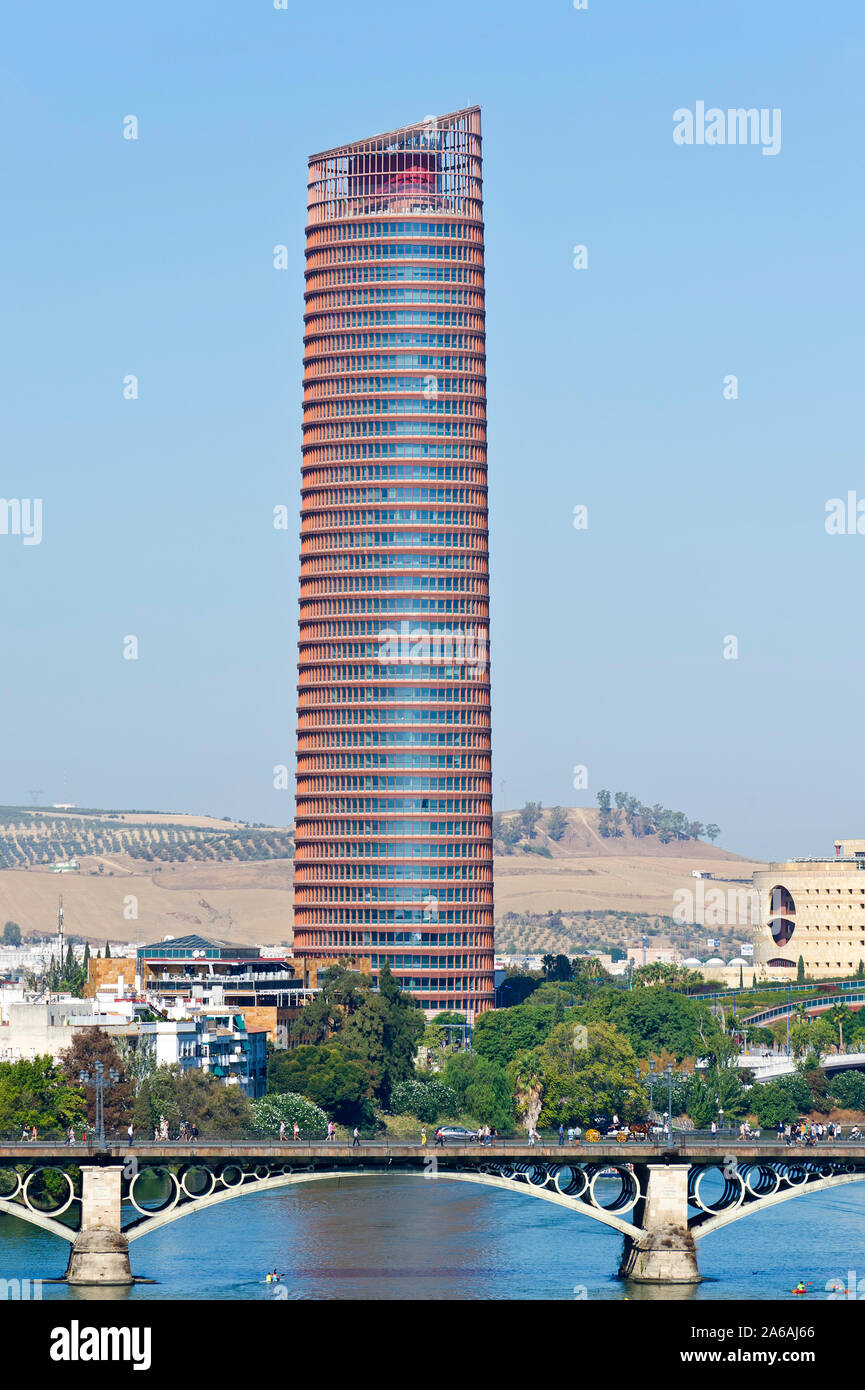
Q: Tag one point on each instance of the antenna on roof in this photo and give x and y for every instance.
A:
(60, 931)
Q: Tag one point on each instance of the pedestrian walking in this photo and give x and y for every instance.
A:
(423, 1135)
(282, 1131)
(130, 1134)
(355, 1138)
(296, 1132)
(714, 1131)
(439, 1138)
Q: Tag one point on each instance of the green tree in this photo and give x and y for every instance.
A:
(138, 1059)
(11, 934)
(557, 823)
(800, 971)
(528, 1088)
(847, 1089)
(89, 1046)
(654, 1019)
(269, 1110)
(163, 1098)
(529, 817)
(142, 1112)
(214, 1107)
(715, 1089)
(107, 950)
(483, 1092)
(773, 1103)
(428, 1100)
(583, 1070)
(38, 1093)
(839, 1016)
(713, 831)
(336, 1083)
(383, 1033)
(500, 1034)
(341, 993)
(801, 1041)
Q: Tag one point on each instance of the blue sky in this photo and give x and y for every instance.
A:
(706, 515)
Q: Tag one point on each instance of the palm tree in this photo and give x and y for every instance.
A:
(838, 1014)
(528, 1091)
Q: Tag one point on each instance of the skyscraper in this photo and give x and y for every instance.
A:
(394, 785)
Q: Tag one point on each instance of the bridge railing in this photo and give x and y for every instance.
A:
(239, 1147)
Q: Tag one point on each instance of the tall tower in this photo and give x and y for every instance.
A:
(394, 790)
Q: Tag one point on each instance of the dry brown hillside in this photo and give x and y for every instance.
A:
(250, 901)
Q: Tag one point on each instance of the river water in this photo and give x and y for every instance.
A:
(400, 1238)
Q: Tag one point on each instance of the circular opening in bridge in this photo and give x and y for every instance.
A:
(714, 1191)
(154, 1190)
(232, 1175)
(614, 1189)
(795, 1175)
(197, 1181)
(762, 1181)
(10, 1184)
(571, 1181)
(262, 1171)
(45, 1190)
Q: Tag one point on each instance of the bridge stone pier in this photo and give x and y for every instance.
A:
(100, 1250)
(662, 1200)
(665, 1252)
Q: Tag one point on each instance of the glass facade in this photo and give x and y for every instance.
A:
(394, 789)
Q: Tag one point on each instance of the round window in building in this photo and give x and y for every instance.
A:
(782, 912)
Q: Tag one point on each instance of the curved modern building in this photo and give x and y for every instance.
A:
(813, 908)
(394, 783)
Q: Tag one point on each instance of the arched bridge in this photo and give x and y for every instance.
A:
(662, 1200)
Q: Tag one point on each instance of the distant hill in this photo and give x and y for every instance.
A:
(31, 837)
(581, 835)
(178, 872)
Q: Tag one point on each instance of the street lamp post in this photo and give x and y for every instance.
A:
(788, 1018)
(99, 1081)
(650, 1077)
(668, 1072)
